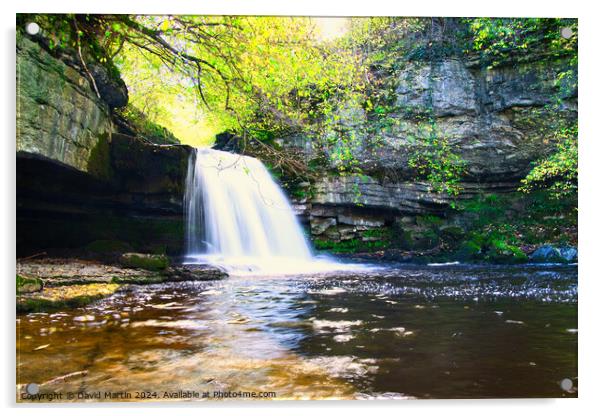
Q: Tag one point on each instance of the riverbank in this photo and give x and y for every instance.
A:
(53, 283)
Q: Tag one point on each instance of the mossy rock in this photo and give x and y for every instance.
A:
(419, 240)
(502, 252)
(428, 221)
(547, 254)
(469, 250)
(140, 280)
(108, 246)
(28, 284)
(64, 297)
(151, 262)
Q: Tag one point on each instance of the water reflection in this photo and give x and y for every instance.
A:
(404, 332)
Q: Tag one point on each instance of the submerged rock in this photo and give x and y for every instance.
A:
(195, 272)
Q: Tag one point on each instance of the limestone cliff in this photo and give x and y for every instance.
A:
(80, 180)
(59, 116)
(497, 119)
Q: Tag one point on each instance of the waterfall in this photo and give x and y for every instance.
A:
(238, 217)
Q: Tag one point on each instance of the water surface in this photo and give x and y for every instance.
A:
(404, 331)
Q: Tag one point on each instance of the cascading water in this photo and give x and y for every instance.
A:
(239, 218)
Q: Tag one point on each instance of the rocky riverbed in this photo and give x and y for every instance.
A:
(52, 283)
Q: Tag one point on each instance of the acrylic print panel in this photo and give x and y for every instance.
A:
(248, 208)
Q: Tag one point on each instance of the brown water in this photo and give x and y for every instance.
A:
(404, 331)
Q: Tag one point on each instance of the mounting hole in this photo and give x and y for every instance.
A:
(32, 28)
(32, 388)
(566, 384)
(566, 32)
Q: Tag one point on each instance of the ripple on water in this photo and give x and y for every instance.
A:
(286, 333)
(320, 324)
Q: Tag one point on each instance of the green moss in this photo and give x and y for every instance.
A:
(520, 219)
(355, 245)
(380, 233)
(99, 162)
(46, 305)
(469, 250)
(502, 252)
(56, 298)
(28, 284)
(145, 261)
(140, 280)
(429, 221)
(143, 126)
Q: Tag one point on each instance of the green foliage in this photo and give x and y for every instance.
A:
(500, 39)
(558, 172)
(501, 251)
(143, 126)
(387, 45)
(439, 164)
(76, 35)
(268, 78)
(496, 223)
(258, 73)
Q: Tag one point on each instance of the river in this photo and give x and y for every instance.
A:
(399, 331)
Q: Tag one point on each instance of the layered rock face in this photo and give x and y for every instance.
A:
(78, 180)
(59, 116)
(497, 120)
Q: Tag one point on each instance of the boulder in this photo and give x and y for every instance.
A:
(27, 284)
(195, 272)
(319, 225)
(569, 254)
(552, 254)
(547, 254)
(151, 262)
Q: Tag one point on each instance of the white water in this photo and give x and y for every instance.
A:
(238, 218)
